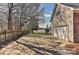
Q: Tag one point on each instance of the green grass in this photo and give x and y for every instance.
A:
(39, 33)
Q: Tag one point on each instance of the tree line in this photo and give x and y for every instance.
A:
(20, 16)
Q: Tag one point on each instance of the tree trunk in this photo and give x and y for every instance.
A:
(10, 6)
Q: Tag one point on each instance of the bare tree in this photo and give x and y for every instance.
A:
(19, 16)
(10, 6)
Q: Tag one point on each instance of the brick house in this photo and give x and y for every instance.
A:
(65, 21)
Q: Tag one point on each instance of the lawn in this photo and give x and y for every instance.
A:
(40, 33)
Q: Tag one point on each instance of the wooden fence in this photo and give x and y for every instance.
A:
(8, 36)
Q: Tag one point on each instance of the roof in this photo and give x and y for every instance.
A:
(41, 28)
(74, 5)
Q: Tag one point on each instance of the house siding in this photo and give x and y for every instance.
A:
(62, 23)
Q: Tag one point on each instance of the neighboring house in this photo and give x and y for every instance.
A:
(65, 21)
(40, 30)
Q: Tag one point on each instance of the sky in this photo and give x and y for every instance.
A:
(48, 8)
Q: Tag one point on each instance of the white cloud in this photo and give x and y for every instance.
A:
(47, 15)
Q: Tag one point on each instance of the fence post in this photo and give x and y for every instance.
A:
(5, 34)
(13, 34)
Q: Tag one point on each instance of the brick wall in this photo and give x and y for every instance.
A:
(76, 25)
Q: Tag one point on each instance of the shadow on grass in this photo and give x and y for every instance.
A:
(38, 49)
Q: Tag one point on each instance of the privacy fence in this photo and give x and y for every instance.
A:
(8, 36)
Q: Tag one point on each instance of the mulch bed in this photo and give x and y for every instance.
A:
(74, 48)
